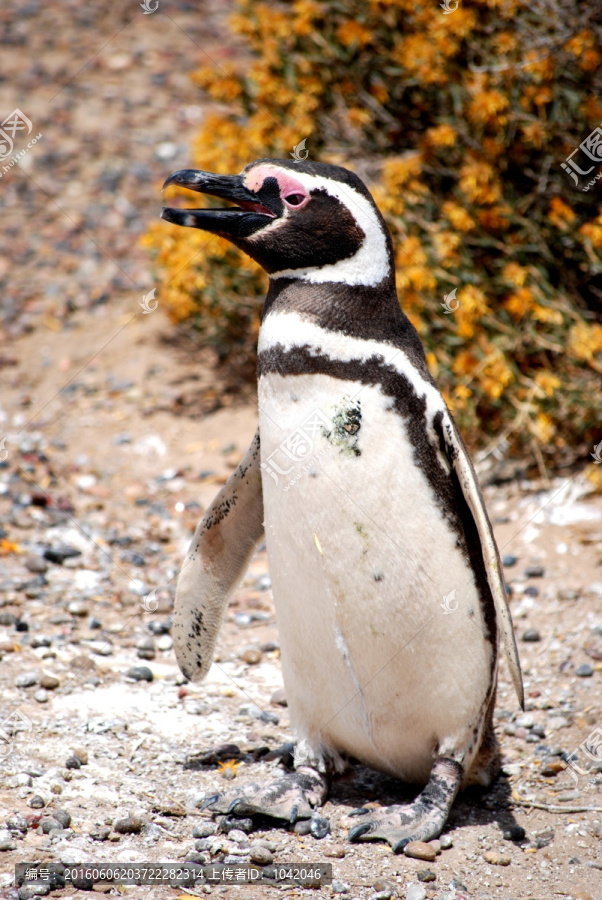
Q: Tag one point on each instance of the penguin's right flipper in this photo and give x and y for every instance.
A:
(291, 797)
(422, 820)
(217, 559)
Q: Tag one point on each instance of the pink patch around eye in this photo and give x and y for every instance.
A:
(288, 184)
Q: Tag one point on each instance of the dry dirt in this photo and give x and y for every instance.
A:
(116, 437)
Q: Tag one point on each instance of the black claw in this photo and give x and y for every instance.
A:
(209, 801)
(398, 848)
(356, 833)
(233, 805)
(320, 827)
(362, 811)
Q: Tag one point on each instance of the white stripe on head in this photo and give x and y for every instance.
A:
(369, 266)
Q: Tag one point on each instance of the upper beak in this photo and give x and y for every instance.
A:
(247, 217)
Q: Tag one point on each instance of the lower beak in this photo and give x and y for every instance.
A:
(242, 221)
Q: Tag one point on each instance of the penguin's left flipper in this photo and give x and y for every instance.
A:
(292, 797)
(422, 820)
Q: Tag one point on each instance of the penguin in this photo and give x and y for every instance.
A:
(387, 585)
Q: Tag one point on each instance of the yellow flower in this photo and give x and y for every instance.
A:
(543, 428)
(519, 302)
(446, 244)
(561, 215)
(458, 216)
(545, 314)
(585, 340)
(479, 182)
(547, 382)
(515, 274)
(534, 134)
(352, 32)
(487, 107)
(441, 136)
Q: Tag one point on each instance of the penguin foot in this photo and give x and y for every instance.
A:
(291, 797)
(422, 820)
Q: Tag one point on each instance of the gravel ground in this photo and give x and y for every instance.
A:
(116, 437)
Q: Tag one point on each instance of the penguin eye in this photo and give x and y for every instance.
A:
(294, 199)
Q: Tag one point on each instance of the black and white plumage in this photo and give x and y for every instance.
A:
(372, 512)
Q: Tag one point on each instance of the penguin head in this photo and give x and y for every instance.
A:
(302, 220)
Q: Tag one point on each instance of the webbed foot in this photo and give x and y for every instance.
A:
(422, 820)
(291, 797)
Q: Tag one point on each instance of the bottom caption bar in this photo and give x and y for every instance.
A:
(186, 874)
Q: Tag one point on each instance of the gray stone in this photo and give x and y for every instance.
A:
(36, 564)
(584, 670)
(41, 696)
(415, 892)
(340, 887)
(39, 889)
(139, 673)
(260, 855)
(204, 829)
(26, 679)
(531, 636)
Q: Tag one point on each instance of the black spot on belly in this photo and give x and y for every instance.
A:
(379, 576)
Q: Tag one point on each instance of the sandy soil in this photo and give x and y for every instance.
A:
(117, 435)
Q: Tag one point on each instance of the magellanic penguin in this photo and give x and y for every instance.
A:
(386, 577)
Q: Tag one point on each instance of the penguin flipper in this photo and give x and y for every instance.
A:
(461, 464)
(217, 559)
(422, 820)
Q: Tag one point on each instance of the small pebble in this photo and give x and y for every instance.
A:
(337, 851)
(531, 636)
(73, 763)
(251, 655)
(28, 891)
(81, 754)
(204, 829)
(534, 572)
(60, 553)
(17, 822)
(426, 875)
(415, 892)
(446, 842)
(496, 859)
(129, 825)
(62, 816)
(238, 836)
(36, 564)
(509, 561)
(340, 887)
(260, 855)
(195, 856)
(584, 670)
(525, 721)
(101, 648)
(40, 640)
(36, 802)
(100, 834)
(420, 850)
(552, 768)
(139, 673)
(26, 679)
(77, 608)
(278, 698)
(94, 623)
(514, 833)
(41, 696)
(567, 594)
(531, 591)
(165, 642)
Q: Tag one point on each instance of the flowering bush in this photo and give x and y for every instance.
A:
(460, 122)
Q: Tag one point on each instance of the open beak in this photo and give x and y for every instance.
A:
(247, 217)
